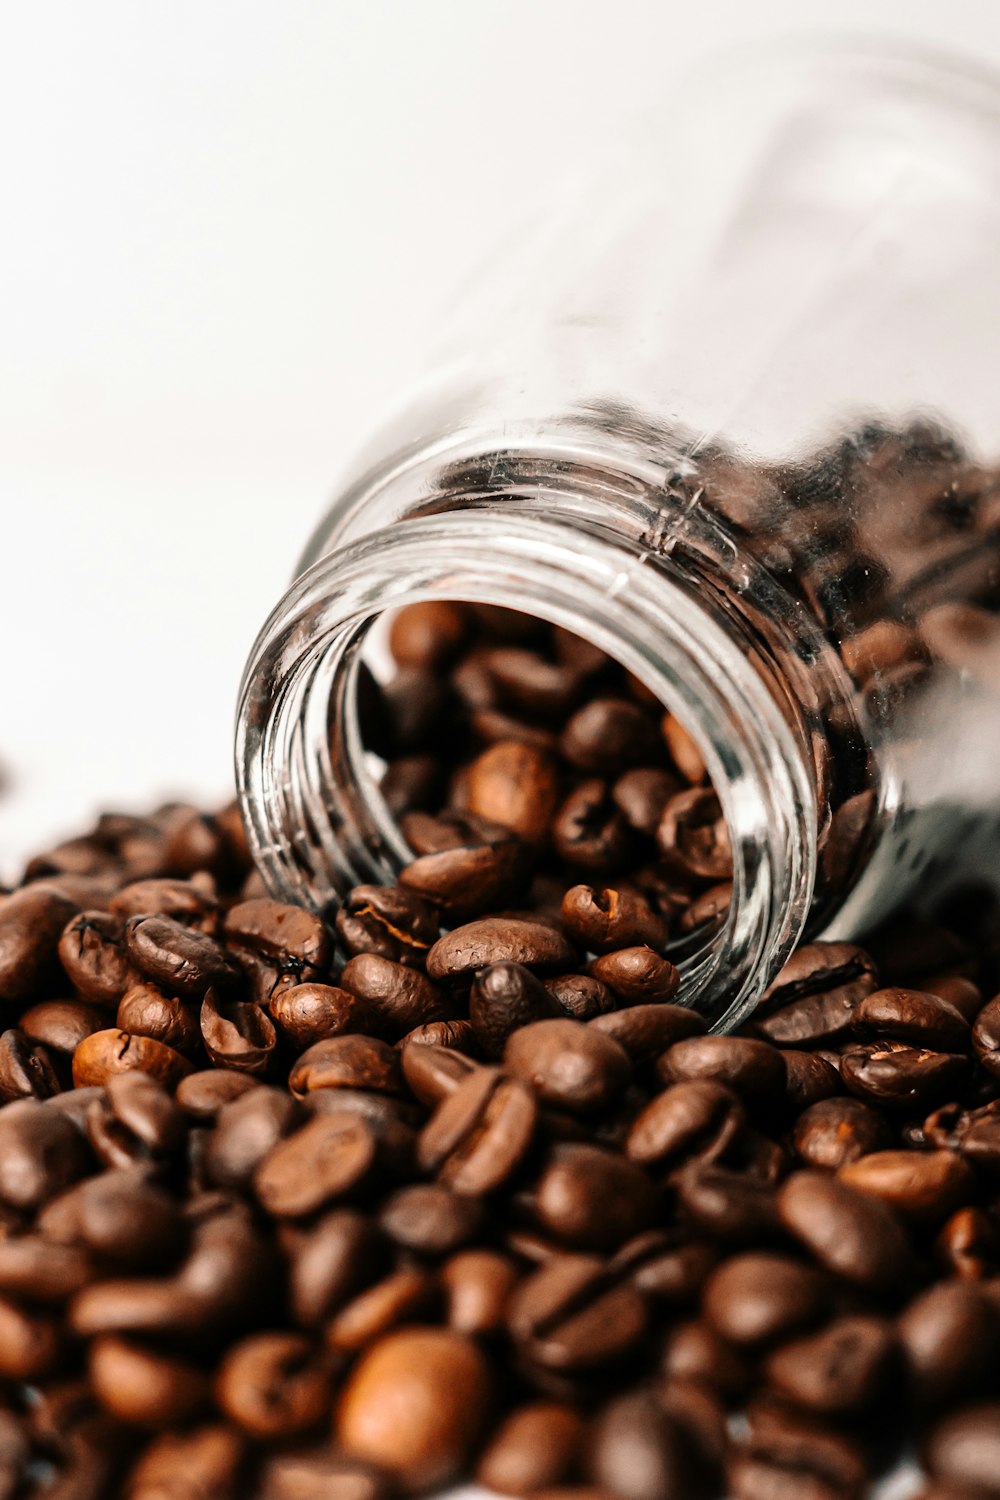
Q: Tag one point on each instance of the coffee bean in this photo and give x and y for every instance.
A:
(41, 1152)
(469, 877)
(479, 1133)
(351, 1062)
(246, 1129)
(986, 1037)
(285, 934)
(32, 921)
(455, 1035)
(580, 996)
(964, 1448)
(274, 1385)
(119, 1217)
(30, 1343)
(394, 997)
(760, 1297)
(201, 1461)
(60, 1025)
(416, 1403)
(434, 1072)
(516, 785)
(328, 1157)
(802, 1456)
(696, 1118)
(428, 634)
(693, 836)
(666, 1265)
(727, 1205)
(754, 1070)
(950, 1336)
(493, 940)
(641, 795)
(179, 959)
(808, 1080)
(184, 900)
(901, 1077)
(570, 1315)
(602, 920)
(143, 1388)
(966, 997)
(969, 1245)
(708, 909)
(92, 952)
(145, 1010)
(607, 735)
(854, 1235)
(568, 1064)
(923, 1186)
(429, 1220)
(590, 1199)
(404, 1296)
(842, 1368)
(535, 1445)
(204, 1094)
(503, 998)
(910, 1016)
(477, 1286)
(694, 1352)
(834, 1132)
(307, 1013)
(645, 1031)
(638, 976)
(27, 1070)
(35, 1270)
(237, 1034)
(640, 1452)
(388, 920)
(589, 832)
(813, 998)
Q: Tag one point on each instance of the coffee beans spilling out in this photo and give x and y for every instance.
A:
(455, 1187)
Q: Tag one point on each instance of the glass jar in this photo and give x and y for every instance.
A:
(733, 419)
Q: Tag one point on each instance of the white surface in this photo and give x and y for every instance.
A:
(226, 229)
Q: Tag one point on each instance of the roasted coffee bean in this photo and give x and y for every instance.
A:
(602, 920)
(950, 1336)
(434, 1072)
(307, 1013)
(503, 998)
(900, 1077)
(492, 940)
(516, 785)
(924, 1186)
(813, 998)
(285, 934)
(966, 997)
(41, 1153)
(144, 1388)
(237, 1034)
(480, 1133)
(477, 1286)
(854, 1235)
(30, 1342)
(92, 951)
(204, 1094)
(331, 1261)
(35, 1270)
(969, 1245)
(589, 832)
(141, 1105)
(760, 1297)
(416, 1403)
(60, 1025)
(698, 1118)
(429, 1220)
(754, 1070)
(694, 1352)
(607, 735)
(642, 794)
(808, 1080)
(693, 836)
(570, 1315)
(428, 634)
(803, 1456)
(666, 1265)
(683, 751)
(347, 1062)
(568, 1064)
(179, 959)
(199, 1462)
(638, 976)
(456, 1035)
(591, 1199)
(964, 1449)
(394, 923)
(986, 1037)
(474, 875)
(274, 1385)
(842, 1368)
(26, 1068)
(911, 1016)
(640, 1452)
(184, 900)
(535, 1445)
(145, 1010)
(32, 921)
(245, 1131)
(581, 996)
(708, 908)
(834, 1132)
(645, 1031)
(727, 1205)
(325, 1159)
(394, 998)
(403, 1296)
(118, 1216)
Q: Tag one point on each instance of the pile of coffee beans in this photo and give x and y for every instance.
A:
(454, 1187)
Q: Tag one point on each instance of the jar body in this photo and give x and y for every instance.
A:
(755, 384)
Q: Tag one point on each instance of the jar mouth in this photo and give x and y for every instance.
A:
(315, 820)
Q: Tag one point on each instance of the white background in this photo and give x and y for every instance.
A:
(226, 229)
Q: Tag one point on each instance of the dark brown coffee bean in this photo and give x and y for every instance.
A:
(478, 873)
(245, 1131)
(647, 1030)
(580, 996)
(477, 1286)
(950, 1335)
(607, 735)
(178, 959)
(516, 785)
(104, 1053)
(204, 1094)
(666, 1265)
(307, 1013)
(92, 951)
(800, 1450)
(569, 1315)
(145, 1010)
(640, 1452)
(964, 1449)
(568, 1064)
(480, 1133)
(35, 1270)
(759, 1297)
(202, 1461)
(60, 1025)
(834, 1132)
(388, 920)
(638, 976)
(26, 1068)
(455, 1035)
(416, 1403)
(142, 1106)
(184, 900)
(854, 1235)
(119, 1217)
(30, 1342)
(535, 1445)
(696, 1118)
(911, 1016)
(986, 1036)
(395, 998)
(347, 1062)
(923, 1186)
(900, 1077)
(331, 1261)
(142, 1388)
(683, 750)
(428, 634)
(503, 998)
(754, 1070)
(32, 921)
(325, 1159)
(708, 908)
(282, 933)
(727, 1205)
(494, 940)
(237, 1034)
(434, 1072)
(641, 796)
(589, 832)
(429, 1220)
(602, 920)
(808, 1080)
(404, 1296)
(966, 997)
(274, 1385)
(842, 1368)
(693, 836)
(813, 998)
(590, 1199)
(693, 1351)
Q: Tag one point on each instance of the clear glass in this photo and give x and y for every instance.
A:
(731, 418)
